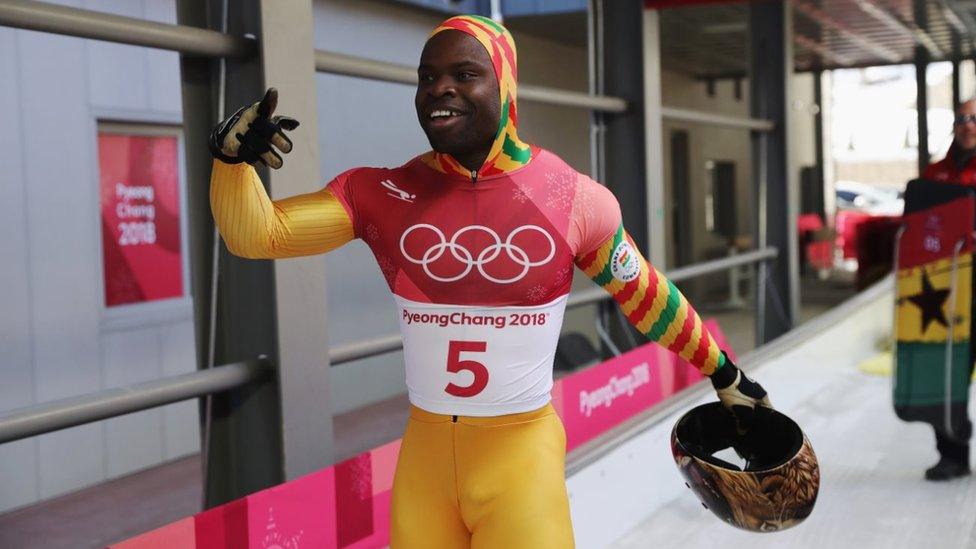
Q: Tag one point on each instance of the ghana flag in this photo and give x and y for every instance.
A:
(933, 304)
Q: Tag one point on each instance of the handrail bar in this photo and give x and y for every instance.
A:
(365, 348)
(45, 17)
(712, 119)
(60, 414)
(722, 264)
(388, 343)
(350, 65)
(83, 23)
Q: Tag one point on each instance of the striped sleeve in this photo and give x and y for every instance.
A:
(650, 301)
(256, 227)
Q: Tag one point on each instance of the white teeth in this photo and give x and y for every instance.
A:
(441, 113)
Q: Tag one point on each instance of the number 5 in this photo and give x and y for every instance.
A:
(455, 364)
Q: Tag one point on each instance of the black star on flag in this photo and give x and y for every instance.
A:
(930, 301)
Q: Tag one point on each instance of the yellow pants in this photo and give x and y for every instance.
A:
(482, 482)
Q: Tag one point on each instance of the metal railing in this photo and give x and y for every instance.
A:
(41, 16)
(69, 412)
(61, 414)
(389, 343)
(349, 65)
(699, 117)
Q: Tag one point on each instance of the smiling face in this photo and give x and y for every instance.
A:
(457, 97)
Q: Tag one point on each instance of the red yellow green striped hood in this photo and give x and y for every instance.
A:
(508, 152)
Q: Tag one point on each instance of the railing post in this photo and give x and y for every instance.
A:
(922, 57)
(53, 416)
(243, 452)
(771, 71)
(288, 57)
(620, 68)
(654, 140)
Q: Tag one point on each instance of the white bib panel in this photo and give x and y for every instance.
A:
(479, 360)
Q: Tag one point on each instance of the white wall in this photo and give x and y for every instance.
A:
(56, 338)
(715, 143)
(707, 143)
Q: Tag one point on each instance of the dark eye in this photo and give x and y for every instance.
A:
(425, 77)
(467, 75)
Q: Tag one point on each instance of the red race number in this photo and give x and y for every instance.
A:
(455, 364)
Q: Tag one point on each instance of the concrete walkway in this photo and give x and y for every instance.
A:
(872, 493)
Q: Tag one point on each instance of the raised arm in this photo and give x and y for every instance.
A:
(251, 224)
(256, 227)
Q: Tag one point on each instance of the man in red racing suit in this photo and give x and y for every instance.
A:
(477, 240)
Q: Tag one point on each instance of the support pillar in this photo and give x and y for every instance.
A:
(288, 56)
(625, 162)
(771, 68)
(654, 141)
(921, 90)
(259, 436)
(818, 141)
(621, 146)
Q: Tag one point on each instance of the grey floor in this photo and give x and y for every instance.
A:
(872, 493)
(107, 512)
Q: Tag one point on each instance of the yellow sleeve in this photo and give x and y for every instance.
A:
(256, 227)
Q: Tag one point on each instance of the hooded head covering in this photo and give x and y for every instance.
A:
(507, 152)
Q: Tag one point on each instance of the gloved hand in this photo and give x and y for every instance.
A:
(249, 134)
(738, 393)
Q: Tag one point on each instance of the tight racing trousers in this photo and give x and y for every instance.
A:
(481, 482)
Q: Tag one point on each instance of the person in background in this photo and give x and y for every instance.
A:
(958, 167)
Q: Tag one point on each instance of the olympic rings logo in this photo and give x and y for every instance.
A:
(489, 254)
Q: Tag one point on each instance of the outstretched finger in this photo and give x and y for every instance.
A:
(278, 138)
(271, 159)
(282, 142)
(268, 104)
(286, 122)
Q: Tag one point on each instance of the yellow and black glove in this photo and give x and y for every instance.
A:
(741, 395)
(252, 134)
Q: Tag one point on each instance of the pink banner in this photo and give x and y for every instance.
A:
(301, 513)
(595, 400)
(348, 505)
(140, 204)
